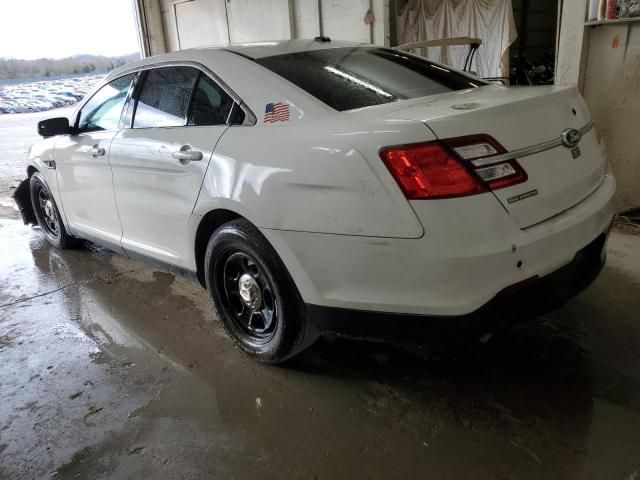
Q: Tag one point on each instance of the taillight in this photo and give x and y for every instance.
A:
(502, 175)
(429, 170)
(473, 148)
(447, 169)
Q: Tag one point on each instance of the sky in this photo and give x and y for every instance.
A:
(61, 28)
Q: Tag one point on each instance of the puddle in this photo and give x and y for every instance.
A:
(122, 371)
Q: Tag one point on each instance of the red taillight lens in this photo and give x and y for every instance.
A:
(451, 168)
(429, 170)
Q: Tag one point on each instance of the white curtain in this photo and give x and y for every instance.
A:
(490, 20)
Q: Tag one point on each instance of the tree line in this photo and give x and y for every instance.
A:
(11, 68)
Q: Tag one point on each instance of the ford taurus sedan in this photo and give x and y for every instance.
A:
(307, 180)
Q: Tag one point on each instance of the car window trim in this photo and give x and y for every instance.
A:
(135, 96)
(193, 94)
(250, 118)
(232, 112)
(135, 86)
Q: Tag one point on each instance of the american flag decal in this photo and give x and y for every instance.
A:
(368, 17)
(276, 112)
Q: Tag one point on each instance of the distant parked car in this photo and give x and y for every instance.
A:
(64, 100)
(18, 108)
(69, 95)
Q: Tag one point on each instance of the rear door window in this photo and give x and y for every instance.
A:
(210, 104)
(355, 77)
(164, 98)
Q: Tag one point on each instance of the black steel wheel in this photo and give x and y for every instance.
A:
(249, 297)
(50, 222)
(48, 215)
(254, 295)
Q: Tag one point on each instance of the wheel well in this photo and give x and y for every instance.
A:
(209, 224)
(31, 170)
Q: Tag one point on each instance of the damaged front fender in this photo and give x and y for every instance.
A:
(22, 197)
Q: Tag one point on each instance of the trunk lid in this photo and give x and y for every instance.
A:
(520, 118)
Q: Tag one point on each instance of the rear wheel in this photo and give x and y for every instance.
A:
(48, 215)
(254, 295)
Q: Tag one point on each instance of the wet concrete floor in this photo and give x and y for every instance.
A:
(109, 369)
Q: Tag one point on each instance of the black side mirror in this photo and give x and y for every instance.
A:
(54, 126)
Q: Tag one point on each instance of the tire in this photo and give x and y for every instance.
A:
(48, 215)
(254, 295)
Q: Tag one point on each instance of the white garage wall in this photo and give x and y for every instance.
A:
(255, 20)
(201, 23)
(306, 18)
(171, 30)
(194, 23)
(343, 19)
(612, 80)
(189, 23)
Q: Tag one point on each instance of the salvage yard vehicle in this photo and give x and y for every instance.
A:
(46, 94)
(310, 183)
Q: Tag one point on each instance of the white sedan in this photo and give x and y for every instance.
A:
(310, 183)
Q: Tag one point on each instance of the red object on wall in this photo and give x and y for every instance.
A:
(611, 9)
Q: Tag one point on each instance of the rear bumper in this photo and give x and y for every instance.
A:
(471, 252)
(510, 306)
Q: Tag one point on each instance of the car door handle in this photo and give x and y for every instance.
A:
(186, 155)
(96, 151)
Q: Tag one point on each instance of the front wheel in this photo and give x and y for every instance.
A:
(48, 215)
(254, 295)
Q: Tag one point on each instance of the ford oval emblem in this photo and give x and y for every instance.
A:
(571, 137)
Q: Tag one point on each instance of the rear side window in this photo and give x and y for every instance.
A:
(164, 98)
(210, 104)
(355, 77)
(103, 111)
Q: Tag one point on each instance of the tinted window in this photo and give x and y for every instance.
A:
(103, 111)
(210, 104)
(347, 78)
(164, 98)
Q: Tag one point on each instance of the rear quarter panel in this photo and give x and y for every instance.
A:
(321, 176)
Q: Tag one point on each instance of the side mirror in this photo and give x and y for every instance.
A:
(54, 126)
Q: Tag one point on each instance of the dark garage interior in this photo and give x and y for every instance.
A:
(117, 368)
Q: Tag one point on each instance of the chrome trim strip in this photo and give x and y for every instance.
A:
(586, 129)
(525, 152)
(250, 118)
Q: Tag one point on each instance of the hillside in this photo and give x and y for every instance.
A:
(46, 67)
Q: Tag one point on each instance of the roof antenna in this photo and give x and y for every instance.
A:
(322, 39)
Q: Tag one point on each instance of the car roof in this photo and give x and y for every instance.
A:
(253, 50)
(269, 49)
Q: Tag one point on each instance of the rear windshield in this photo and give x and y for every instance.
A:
(355, 77)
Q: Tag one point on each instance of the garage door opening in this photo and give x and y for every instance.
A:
(533, 55)
(53, 53)
(517, 37)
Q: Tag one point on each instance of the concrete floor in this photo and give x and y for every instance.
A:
(109, 369)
